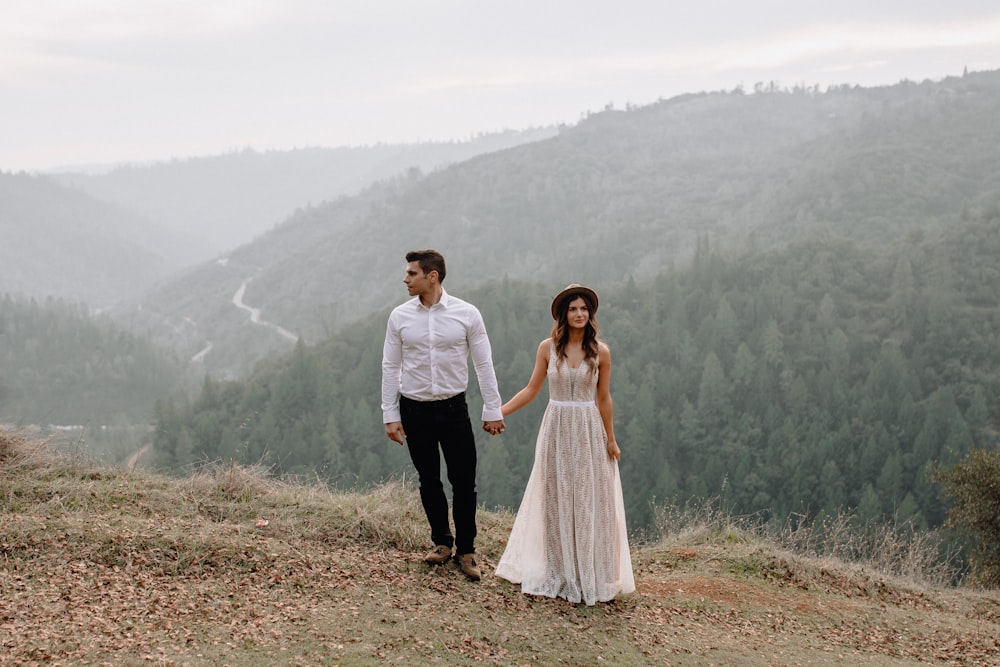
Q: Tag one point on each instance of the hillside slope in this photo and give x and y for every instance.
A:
(126, 567)
(59, 242)
(622, 194)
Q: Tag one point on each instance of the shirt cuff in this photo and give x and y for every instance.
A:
(390, 416)
(493, 415)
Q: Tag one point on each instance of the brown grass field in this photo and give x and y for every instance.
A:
(104, 566)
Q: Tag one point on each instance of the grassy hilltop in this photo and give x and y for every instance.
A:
(101, 565)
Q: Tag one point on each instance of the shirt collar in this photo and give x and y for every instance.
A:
(443, 303)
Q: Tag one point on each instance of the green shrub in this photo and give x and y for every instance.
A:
(973, 486)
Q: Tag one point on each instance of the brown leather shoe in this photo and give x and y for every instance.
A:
(469, 567)
(439, 556)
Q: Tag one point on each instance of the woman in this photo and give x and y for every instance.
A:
(569, 538)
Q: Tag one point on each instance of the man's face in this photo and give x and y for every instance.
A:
(417, 282)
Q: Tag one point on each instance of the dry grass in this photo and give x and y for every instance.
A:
(230, 566)
(891, 549)
(18, 451)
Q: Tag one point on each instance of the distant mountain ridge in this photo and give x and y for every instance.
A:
(228, 200)
(103, 236)
(58, 242)
(622, 194)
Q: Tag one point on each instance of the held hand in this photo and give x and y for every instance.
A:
(614, 453)
(394, 430)
(494, 427)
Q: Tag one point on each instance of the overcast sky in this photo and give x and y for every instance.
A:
(100, 81)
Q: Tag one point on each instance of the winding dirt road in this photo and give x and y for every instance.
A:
(255, 313)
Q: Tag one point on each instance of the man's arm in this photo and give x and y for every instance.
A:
(482, 363)
(392, 369)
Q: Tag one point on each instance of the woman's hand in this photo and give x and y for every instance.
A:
(614, 453)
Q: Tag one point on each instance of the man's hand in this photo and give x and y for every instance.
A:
(395, 432)
(494, 427)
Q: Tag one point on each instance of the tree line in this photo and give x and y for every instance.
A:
(62, 364)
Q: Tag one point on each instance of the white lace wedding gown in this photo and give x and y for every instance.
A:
(569, 538)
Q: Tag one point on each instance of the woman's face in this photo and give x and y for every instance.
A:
(577, 314)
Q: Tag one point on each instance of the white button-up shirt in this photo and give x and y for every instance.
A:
(426, 353)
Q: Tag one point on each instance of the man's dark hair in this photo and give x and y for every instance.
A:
(429, 260)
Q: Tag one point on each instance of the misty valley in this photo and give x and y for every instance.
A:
(801, 291)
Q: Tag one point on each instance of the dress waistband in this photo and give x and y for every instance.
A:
(571, 404)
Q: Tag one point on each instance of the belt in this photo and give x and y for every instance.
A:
(457, 399)
(571, 404)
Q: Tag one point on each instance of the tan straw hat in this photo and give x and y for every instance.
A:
(570, 291)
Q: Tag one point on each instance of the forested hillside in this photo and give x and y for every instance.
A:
(622, 194)
(58, 242)
(196, 314)
(59, 364)
(823, 375)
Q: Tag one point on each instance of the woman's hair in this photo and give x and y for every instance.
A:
(560, 332)
(428, 260)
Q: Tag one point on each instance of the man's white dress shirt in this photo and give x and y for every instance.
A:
(426, 353)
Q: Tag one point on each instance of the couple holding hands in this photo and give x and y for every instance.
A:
(569, 538)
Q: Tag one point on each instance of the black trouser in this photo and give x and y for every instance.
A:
(445, 423)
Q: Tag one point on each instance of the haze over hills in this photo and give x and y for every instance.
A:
(624, 194)
(228, 200)
(101, 236)
(59, 242)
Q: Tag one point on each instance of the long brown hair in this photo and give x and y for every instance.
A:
(560, 331)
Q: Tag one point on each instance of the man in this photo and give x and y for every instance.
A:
(425, 373)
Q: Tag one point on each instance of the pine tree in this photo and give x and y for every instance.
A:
(869, 506)
(773, 346)
(903, 292)
(713, 398)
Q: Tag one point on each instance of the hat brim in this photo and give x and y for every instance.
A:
(570, 292)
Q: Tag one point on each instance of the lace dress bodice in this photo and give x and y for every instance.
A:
(571, 385)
